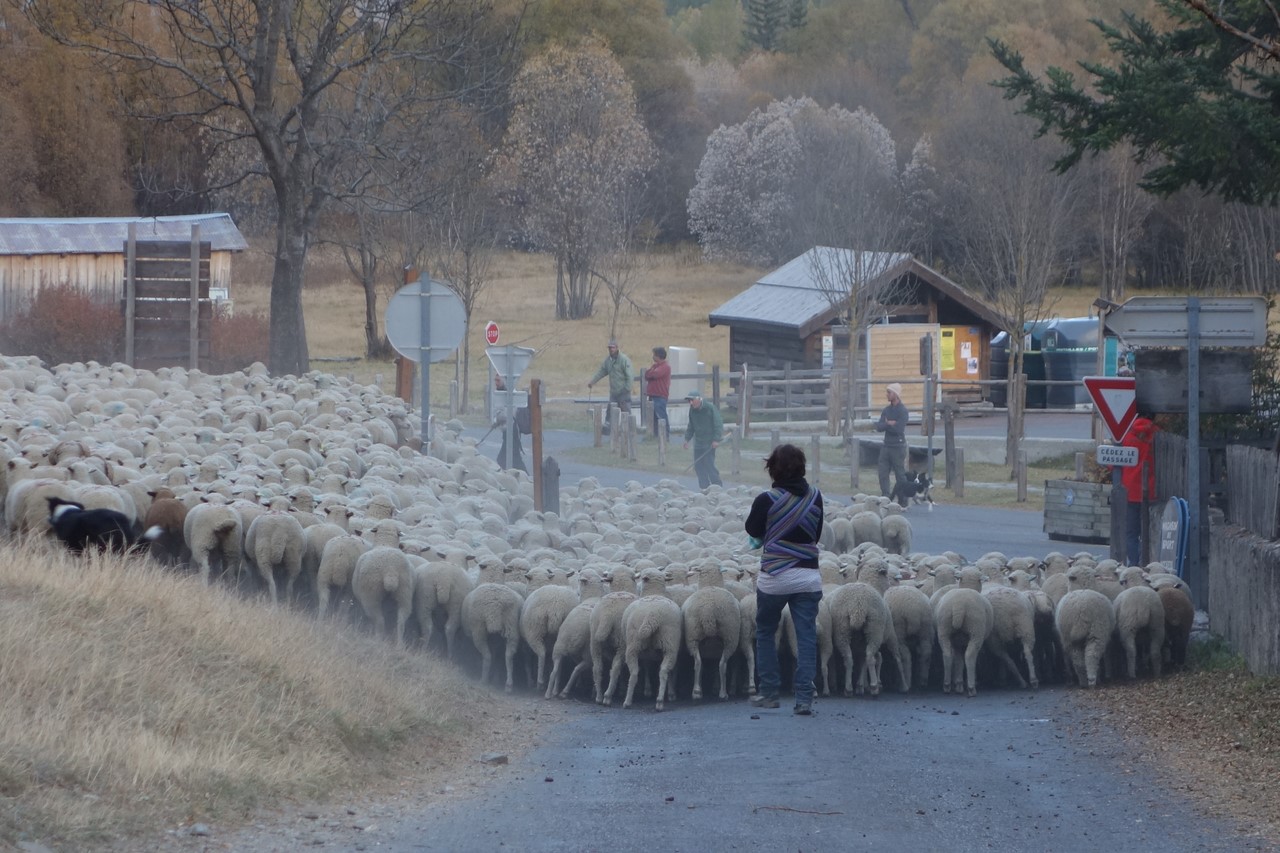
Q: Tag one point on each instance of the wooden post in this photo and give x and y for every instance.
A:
(855, 462)
(453, 399)
(1079, 466)
(1022, 476)
(715, 386)
(949, 440)
(775, 438)
(833, 405)
(957, 482)
(735, 451)
(130, 288)
(598, 439)
(744, 391)
(535, 422)
(630, 433)
(786, 389)
(815, 455)
(662, 442)
(194, 310)
(614, 422)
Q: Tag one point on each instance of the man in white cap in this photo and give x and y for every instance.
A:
(893, 455)
(618, 368)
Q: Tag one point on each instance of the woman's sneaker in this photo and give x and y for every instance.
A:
(764, 701)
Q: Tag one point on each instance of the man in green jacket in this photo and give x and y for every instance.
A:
(705, 429)
(617, 367)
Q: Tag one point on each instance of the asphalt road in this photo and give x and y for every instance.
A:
(1002, 771)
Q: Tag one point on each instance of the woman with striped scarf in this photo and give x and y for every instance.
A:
(785, 522)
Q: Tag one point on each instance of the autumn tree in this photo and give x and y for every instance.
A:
(284, 76)
(1016, 221)
(573, 153)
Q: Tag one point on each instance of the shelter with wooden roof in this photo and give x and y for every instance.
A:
(795, 315)
(89, 253)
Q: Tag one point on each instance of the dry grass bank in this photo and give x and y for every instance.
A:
(133, 699)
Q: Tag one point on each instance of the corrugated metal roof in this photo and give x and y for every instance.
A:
(793, 294)
(106, 236)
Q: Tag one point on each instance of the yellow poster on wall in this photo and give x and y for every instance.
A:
(948, 347)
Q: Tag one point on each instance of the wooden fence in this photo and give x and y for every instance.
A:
(1253, 490)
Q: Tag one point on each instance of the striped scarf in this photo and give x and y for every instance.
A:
(789, 511)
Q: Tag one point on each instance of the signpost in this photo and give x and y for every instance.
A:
(1190, 322)
(425, 322)
(1117, 401)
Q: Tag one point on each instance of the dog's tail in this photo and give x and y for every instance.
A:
(152, 533)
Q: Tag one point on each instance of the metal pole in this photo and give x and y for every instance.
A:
(535, 419)
(1199, 589)
(193, 311)
(512, 435)
(424, 352)
(130, 292)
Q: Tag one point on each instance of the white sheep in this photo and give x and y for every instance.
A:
(913, 625)
(859, 610)
(1085, 621)
(213, 534)
(493, 609)
(866, 528)
(574, 637)
(337, 564)
(652, 623)
(1013, 621)
(961, 616)
(440, 586)
(380, 572)
(895, 533)
(1139, 614)
(274, 541)
(710, 616)
(541, 616)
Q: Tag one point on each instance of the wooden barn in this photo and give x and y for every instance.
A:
(89, 253)
(788, 317)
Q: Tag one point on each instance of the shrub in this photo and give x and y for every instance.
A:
(64, 324)
(238, 340)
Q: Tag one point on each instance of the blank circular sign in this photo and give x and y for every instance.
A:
(403, 320)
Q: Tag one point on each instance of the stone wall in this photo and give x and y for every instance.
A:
(1244, 596)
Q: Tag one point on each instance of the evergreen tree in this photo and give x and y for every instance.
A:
(765, 22)
(798, 16)
(1200, 99)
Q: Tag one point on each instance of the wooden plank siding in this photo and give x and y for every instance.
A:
(101, 276)
(894, 351)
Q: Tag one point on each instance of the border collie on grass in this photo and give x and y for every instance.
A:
(79, 528)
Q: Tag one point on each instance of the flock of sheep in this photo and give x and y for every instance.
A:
(310, 490)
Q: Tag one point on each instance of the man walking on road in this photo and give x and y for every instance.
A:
(705, 429)
(893, 455)
(618, 368)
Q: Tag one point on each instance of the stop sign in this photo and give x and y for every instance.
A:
(491, 333)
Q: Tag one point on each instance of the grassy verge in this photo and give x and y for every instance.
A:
(134, 698)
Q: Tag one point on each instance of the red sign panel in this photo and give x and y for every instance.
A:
(1117, 401)
(491, 333)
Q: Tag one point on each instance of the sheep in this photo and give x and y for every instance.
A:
(859, 610)
(895, 533)
(574, 637)
(493, 609)
(1179, 616)
(213, 532)
(866, 528)
(652, 623)
(379, 572)
(274, 540)
(607, 639)
(1013, 621)
(440, 586)
(710, 615)
(1085, 620)
(337, 564)
(541, 616)
(962, 614)
(1139, 613)
(913, 626)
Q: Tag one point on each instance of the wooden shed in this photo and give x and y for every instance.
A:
(89, 253)
(784, 317)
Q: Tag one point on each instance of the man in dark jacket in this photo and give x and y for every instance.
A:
(705, 430)
(893, 455)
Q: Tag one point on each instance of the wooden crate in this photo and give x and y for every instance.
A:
(1076, 511)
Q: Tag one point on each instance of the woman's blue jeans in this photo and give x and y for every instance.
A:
(804, 613)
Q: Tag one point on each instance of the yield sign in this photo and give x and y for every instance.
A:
(1117, 401)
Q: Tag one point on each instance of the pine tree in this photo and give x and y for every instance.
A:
(765, 22)
(798, 15)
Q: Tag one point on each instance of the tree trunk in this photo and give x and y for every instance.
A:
(374, 344)
(463, 408)
(288, 347)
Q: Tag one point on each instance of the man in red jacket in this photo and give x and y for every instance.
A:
(1140, 436)
(657, 387)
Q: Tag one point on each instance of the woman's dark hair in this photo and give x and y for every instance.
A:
(785, 463)
(660, 352)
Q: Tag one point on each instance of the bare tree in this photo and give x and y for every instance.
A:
(573, 146)
(1120, 215)
(1017, 221)
(283, 77)
(626, 257)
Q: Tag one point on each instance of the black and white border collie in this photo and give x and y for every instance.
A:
(79, 528)
(915, 488)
